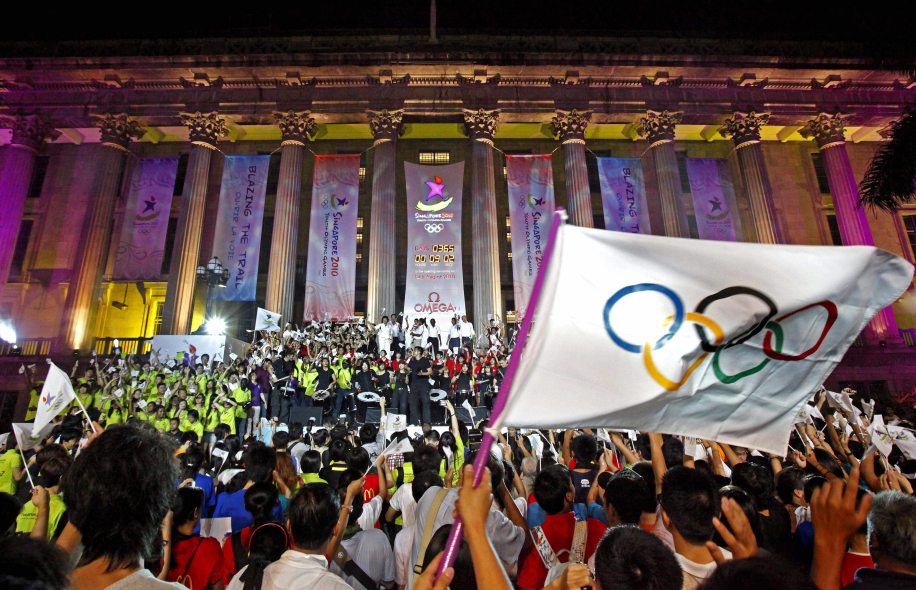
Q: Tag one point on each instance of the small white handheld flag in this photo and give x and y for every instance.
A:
(267, 320)
(56, 395)
(395, 422)
(26, 438)
(398, 447)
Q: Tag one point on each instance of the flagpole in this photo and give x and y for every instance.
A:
(85, 413)
(25, 464)
(496, 416)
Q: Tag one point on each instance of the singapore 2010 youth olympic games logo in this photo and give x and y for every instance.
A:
(774, 332)
(435, 190)
(433, 228)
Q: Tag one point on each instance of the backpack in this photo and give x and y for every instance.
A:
(551, 560)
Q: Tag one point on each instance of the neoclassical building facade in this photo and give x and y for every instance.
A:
(797, 123)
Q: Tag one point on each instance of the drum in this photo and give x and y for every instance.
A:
(437, 395)
(364, 401)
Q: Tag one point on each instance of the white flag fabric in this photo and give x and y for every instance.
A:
(267, 320)
(904, 439)
(26, 438)
(398, 447)
(880, 436)
(395, 423)
(56, 394)
(693, 337)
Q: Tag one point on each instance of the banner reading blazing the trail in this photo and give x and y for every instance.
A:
(435, 283)
(714, 199)
(623, 194)
(330, 277)
(530, 205)
(146, 220)
(237, 242)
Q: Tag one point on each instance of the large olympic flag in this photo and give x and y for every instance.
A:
(146, 220)
(330, 279)
(237, 242)
(531, 204)
(685, 337)
(714, 199)
(435, 283)
(623, 194)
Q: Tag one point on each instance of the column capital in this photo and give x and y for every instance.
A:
(658, 127)
(117, 130)
(295, 127)
(744, 128)
(480, 125)
(386, 125)
(205, 128)
(570, 126)
(29, 131)
(826, 129)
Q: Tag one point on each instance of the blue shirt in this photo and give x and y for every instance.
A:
(537, 515)
(233, 506)
(255, 390)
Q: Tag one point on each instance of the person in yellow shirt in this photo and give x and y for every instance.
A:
(46, 506)
(310, 463)
(211, 421)
(227, 411)
(192, 423)
(11, 471)
(161, 421)
(85, 396)
(33, 405)
(242, 397)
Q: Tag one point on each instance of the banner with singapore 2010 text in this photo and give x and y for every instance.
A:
(531, 203)
(435, 283)
(330, 277)
(714, 200)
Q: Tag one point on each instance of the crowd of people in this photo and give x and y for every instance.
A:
(193, 472)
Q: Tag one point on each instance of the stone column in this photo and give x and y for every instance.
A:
(571, 129)
(281, 274)
(480, 126)
(744, 128)
(658, 128)
(29, 134)
(95, 238)
(205, 129)
(829, 133)
(386, 128)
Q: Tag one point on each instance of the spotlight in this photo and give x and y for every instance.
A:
(216, 326)
(15, 350)
(118, 305)
(7, 333)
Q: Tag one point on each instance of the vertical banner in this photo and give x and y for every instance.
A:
(330, 277)
(146, 220)
(435, 283)
(237, 242)
(531, 203)
(714, 199)
(623, 194)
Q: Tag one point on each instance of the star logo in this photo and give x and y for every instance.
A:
(716, 205)
(150, 205)
(435, 188)
(48, 399)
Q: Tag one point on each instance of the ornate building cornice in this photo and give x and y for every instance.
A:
(570, 126)
(826, 129)
(295, 127)
(386, 125)
(658, 127)
(205, 128)
(29, 131)
(117, 130)
(480, 125)
(744, 128)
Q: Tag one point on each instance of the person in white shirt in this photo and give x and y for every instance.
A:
(432, 337)
(383, 335)
(416, 334)
(454, 336)
(403, 542)
(467, 331)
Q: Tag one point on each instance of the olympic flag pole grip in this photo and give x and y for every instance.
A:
(483, 453)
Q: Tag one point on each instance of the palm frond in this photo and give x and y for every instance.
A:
(891, 175)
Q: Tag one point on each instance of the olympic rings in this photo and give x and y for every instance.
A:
(701, 321)
(433, 228)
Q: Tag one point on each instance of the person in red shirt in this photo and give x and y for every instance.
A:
(197, 562)
(555, 493)
(857, 554)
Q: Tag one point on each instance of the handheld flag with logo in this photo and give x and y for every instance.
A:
(692, 337)
(398, 447)
(27, 437)
(56, 395)
(267, 320)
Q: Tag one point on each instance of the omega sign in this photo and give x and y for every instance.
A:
(434, 305)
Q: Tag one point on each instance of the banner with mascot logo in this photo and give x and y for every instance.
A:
(714, 200)
(530, 204)
(435, 283)
(237, 242)
(623, 194)
(146, 220)
(330, 277)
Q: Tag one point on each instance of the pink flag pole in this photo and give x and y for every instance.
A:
(454, 540)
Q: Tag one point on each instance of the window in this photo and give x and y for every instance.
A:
(157, 318)
(22, 246)
(38, 176)
(362, 172)
(909, 222)
(267, 232)
(179, 176)
(835, 235)
(273, 172)
(692, 225)
(821, 173)
(359, 239)
(435, 157)
(682, 170)
(169, 244)
(591, 165)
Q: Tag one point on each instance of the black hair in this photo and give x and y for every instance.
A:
(691, 500)
(260, 462)
(313, 514)
(295, 430)
(31, 564)
(337, 451)
(194, 414)
(756, 480)
(186, 501)
(584, 448)
(829, 462)
(118, 491)
(345, 479)
(280, 440)
(425, 458)
(310, 461)
(673, 452)
(191, 462)
(9, 511)
(813, 482)
(321, 437)
(54, 469)
(644, 470)
(748, 506)
(422, 482)
(68, 434)
(260, 501)
(221, 431)
(464, 578)
(367, 433)
(339, 432)
(787, 481)
(758, 573)
(629, 558)
(266, 546)
(358, 459)
(551, 487)
(189, 436)
(628, 497)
